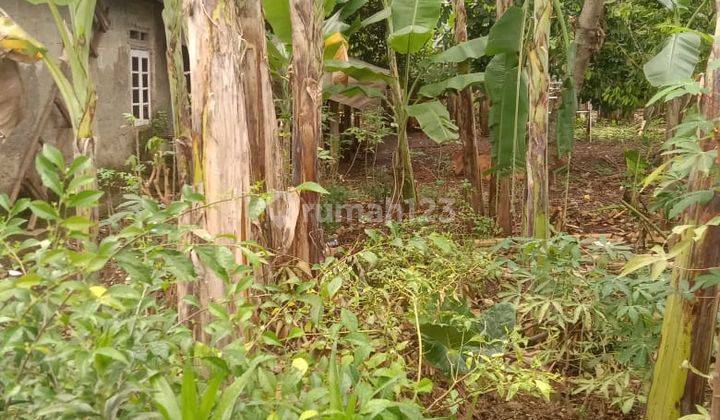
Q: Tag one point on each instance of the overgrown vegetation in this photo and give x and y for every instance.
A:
(328, 253)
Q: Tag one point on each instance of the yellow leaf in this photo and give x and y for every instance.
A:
(16, 43)
(98, 291)
(300, 364)
(308, 414)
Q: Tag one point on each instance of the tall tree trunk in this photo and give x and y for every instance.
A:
(179, 96)
(404, 188)
(266, 157)
(536, 210)
(173, 18)
(306, 18)
(220, 131)
(689, 323)
(501, 186)
(465, 117)
(588, 38)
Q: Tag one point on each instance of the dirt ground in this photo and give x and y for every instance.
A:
(595, 192)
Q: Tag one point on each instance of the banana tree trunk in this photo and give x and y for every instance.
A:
(465, 118)
(501, 186)
(220, 132)
(536, 210)
(588, 38)
(689, 323)
(306, 18)
(404, 188)
(266, 155)
(179, 97)
(84, 145)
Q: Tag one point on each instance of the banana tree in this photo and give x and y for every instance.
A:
(687, 333)
(77, 91)
(175, 33)
(410, 26)
(465, 116)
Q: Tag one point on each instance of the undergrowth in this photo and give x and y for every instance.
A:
(411, 324)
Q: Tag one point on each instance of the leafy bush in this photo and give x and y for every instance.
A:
(600, 328)
(89, 329)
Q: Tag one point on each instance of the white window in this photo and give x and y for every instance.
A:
(140, 83)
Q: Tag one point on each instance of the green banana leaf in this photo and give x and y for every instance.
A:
(565, 125)
(474, 48)
(357, 70)
(277, 13)
(351, 91)
(506, 34)
(509, 111)
(457, 83)
(434, 120)
(413, 24)
(377, 17)
(676, 61)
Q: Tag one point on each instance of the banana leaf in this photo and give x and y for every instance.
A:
(358, 70)
(566, 118)
(676, 61)
(507, 34)
(509, 112)
(457, 83)
(17, 44)
(434, 120)
(414, 24)
(474, 48)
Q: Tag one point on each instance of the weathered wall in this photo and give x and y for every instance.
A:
(111, 74)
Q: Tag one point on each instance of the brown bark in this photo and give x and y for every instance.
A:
(266, 157)
(306, 18)
(220, 131)
(588, 38)
(465, 118)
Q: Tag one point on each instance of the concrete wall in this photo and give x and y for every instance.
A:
(111, 75)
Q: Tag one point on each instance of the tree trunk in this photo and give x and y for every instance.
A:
(501, 186)
(588, 38)
(536, 210)
(220, 132)
(715, 404)
(465, 118)
(689, 323)
(404, 188)
(335, 135)
(306, 17)
(179, 96)
(266, 157)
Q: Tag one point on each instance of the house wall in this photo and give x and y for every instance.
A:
(116, 138)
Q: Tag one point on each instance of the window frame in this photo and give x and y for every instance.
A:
(142, 118)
